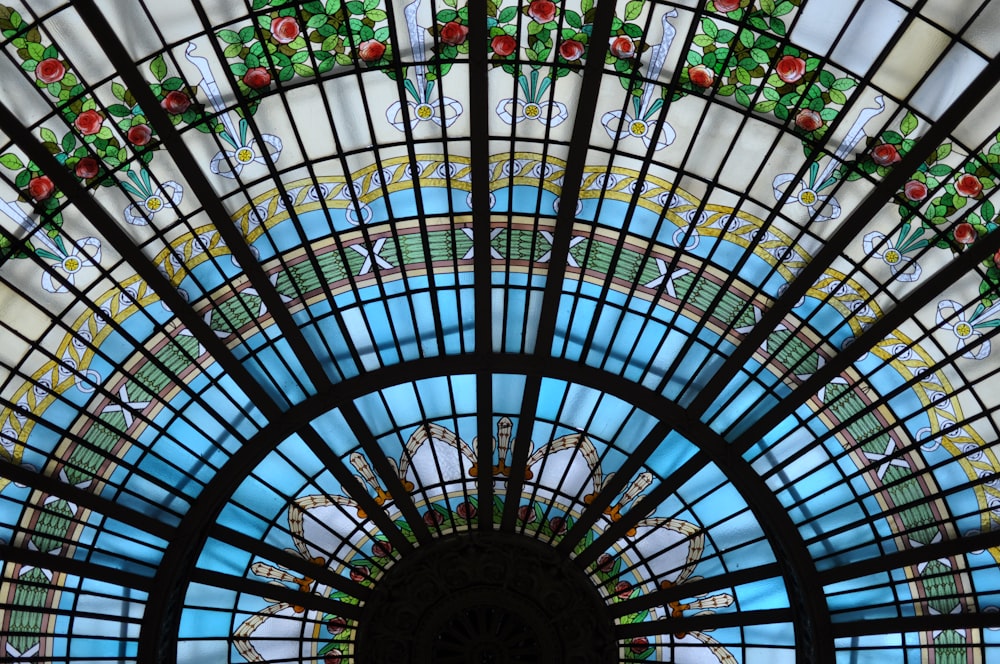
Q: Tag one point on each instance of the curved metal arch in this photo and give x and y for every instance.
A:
(814, 641)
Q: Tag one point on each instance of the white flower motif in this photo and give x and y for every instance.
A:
(902, 267)
(152, 200)
(81, 256)
(229, 163)
(951, 316)
(519, 110)
(622, 125)
(806, 193)
(442, 114)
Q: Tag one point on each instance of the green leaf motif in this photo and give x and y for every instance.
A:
(11, 161)
(908, 124)
(632, 9)
(158, 67)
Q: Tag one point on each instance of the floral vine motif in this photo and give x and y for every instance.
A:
(304, 41)
(639, 124)
(320, 526)
(230, 163)
(97, 143)
(424, 107)
(748, 64)
(822, 207)
(561, 35)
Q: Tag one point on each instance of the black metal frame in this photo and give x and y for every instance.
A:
(815, 631)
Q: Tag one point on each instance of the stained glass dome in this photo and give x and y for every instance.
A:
(502, 331)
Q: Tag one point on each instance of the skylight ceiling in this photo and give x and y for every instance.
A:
(703, 296)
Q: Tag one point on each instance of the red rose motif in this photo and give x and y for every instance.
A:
(433, 518)
(466, 510)
(503, 45)
(968, 185)
(453, 33)
(359, 573)
(996, 258)
(622, 48)
(965, 233)
(336, 625)
(371, 50)
(40, 187)
(701, 76)
(790, 68)
(557, 524)
(176, 102)
(542, 11)
(808, 120)
(526, 514)
(571, 49)
(885, 154)
(381, 549)
(915, 190)
(139, 134)
(605, 563)
(87, 168)
(333, 657)
(88, 122)
(50, 70)
(623, 589)
(257, 78)
(727, 5)
(284, 29)
(639, 644)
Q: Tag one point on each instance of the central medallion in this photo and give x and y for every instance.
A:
(485, 598)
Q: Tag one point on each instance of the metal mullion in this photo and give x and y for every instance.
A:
(283, 192)
(91, 500)
(643, 506)
(397, 68)
(846, 233)
(816, 153)
(157, 233)
(862, 471)
(702, 586)
(482, 227)
(887, 562)
(392, 469)
(647, 162)
(384, 469)
(101, 391)
(898, 508)
(282, 593)
(884, 398)
(75, 567)
(67, 544)
(354, 490)
(107, 226)
(556, 267)
(139, 348)
(437, 466)
(704, 622)
(790, 371)
(288, 560)
(534, 484)
(916, 623)
(817, 150)
(363, 228)
(272, 172)
(206, 194)
(881, 328)
(557, 489)
(610, 490)
(81, 441)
